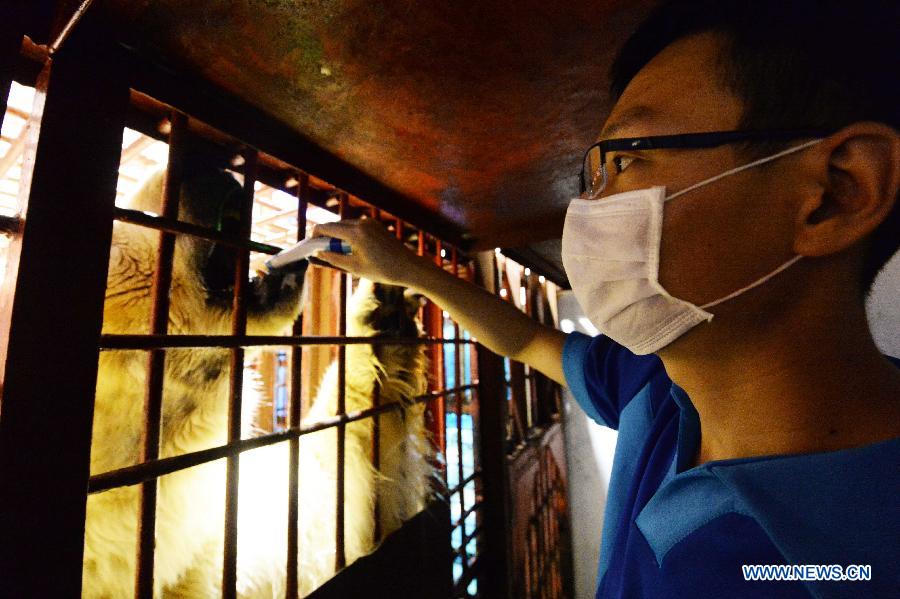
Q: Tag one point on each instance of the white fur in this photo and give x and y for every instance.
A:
(191, 503)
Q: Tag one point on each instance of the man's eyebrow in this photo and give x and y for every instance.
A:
(627, 119)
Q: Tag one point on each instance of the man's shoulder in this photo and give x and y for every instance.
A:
(604, 376)
(816, 509)
(837, 507)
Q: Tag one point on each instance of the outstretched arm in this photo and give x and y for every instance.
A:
(498, 325)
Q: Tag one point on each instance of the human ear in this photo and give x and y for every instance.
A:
(858, 170)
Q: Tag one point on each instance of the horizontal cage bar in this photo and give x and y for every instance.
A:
(170, 225)
(146, 342)
(132, 475)
(472, 508)
(466, 539)
(467, 480)
(473, 567)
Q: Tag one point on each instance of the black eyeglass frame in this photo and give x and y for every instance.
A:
(711, 139)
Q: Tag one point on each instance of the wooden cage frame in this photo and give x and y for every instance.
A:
(46, 420)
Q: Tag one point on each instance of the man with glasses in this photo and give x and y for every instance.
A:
(734, 213)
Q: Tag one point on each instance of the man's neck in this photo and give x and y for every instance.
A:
(794, 386)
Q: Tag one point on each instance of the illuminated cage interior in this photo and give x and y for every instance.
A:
(280, 205)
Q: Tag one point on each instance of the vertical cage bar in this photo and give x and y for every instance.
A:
(458, 402)
(376, 435)
(156, 360)
(549, 514)
(554, 532)
(295, 413)
(495, 555)
(435, 412)
(539, 515)
(52, 313)
(340, 557)
(238, 327)
(376, 457)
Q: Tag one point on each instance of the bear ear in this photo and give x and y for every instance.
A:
(392, 295)
(380, 292)
(413, 301)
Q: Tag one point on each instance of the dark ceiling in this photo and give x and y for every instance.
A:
(476, 111)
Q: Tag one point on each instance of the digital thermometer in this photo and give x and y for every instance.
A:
(305, 249)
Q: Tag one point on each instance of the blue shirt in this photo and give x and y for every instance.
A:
(672, 530)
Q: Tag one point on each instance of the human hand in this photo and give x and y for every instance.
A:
(375, 253)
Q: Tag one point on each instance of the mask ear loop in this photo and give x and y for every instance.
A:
(727, 173)
(738, 169)
(784, 266)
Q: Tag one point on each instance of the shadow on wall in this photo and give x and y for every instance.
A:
(589, 455)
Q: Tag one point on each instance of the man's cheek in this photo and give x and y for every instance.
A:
(686, 256)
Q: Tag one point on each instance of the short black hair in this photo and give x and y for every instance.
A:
(796, 64)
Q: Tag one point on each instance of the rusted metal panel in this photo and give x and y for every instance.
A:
(477, 112)
(541, 538)
(223, 112)
(53, 316)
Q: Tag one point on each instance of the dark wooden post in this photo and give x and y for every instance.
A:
(52, 314)
(495, 569)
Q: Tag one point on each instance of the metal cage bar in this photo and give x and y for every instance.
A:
(156, 361)
(146, 342)
(340, 557)
(376, 436)
(173, 225)
(495, 555)
(470, 510)
(465, 481)
(432, 317)
(238, 327)
(295, 413)
(436, 329)
(131, 475)
(458, 401)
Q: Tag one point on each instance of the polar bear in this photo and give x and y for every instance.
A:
(190, 511)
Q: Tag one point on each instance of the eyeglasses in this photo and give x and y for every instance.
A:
(594, 174)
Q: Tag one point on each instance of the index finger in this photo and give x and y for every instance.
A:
(342, 229)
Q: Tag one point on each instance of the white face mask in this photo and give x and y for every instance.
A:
(610, 250)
